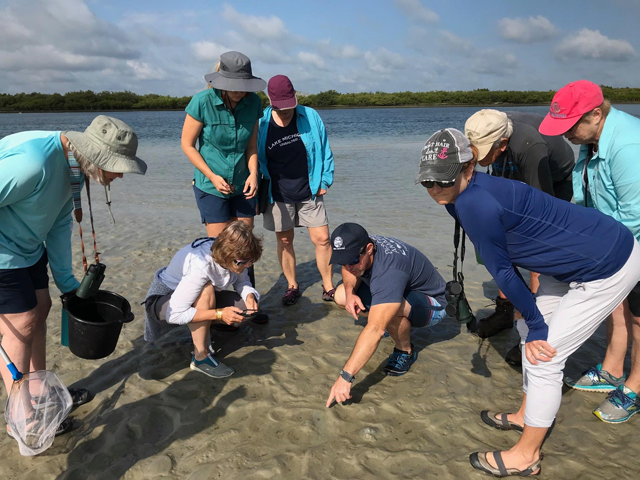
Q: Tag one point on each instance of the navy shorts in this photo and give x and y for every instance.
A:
(425, 310)
(18, 286)
(214, 209)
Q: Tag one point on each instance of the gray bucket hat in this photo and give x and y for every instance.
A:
(110, 144)
(235, 74)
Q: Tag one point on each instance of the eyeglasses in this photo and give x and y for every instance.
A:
(240, 263)
(430, 184)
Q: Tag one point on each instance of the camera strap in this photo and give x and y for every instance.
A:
(458, 276)
(95, 245)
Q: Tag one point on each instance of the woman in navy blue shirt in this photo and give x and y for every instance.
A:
(588, 264)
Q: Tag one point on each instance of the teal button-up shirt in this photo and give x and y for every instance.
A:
(613, 172)
(224, 137)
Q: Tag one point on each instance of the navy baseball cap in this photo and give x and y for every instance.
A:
(346, 242)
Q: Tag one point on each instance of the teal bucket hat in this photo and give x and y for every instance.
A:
(110, 144)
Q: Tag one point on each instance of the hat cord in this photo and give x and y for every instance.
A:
(107, 194)
(95, 245)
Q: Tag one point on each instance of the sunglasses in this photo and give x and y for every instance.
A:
(430, 184)
(357, 260)
(241, 263)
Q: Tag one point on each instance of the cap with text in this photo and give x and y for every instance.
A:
(569, 104)
(443, 156)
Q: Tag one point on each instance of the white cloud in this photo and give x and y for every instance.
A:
(459, 45)
(144, 71)
(592, 45)
(417, 11)
(327, 49)
(208, 51)
(527, 30)
(383, 61)
(265, 28)
(312, 59)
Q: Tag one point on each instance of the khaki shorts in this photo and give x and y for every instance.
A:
(282, 217)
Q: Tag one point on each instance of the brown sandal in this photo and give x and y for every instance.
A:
(479, 461)
(491, 419)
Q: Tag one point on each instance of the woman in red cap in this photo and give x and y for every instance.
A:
(294, 153)
(607, 177)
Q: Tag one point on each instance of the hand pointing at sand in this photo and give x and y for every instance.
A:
(340, 392)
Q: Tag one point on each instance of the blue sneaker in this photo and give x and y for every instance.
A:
(211, 366)
(400, 362)
(621, 404)
(595, 380)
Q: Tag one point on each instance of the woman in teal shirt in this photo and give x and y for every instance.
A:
(224, 121)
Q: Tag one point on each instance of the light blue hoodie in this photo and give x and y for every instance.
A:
(314, 136)
(36, 205)
(614, 171)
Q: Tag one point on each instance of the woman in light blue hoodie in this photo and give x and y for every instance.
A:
(606, 177)
(294, 153)
(41, 174)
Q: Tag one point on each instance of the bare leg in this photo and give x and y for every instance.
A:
(18, 331)
(39, 343)
(525, 452)
(214, 229)
(320, 238)
(400, 330)
(287, 256)
(633, 382)
(617, 340)
(200, 330)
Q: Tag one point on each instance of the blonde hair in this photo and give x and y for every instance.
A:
(216, 68)
(236, 242)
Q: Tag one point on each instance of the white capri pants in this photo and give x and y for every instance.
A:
(573, 312)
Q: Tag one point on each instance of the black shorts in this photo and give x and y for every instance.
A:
(18, 286)
(634, 300)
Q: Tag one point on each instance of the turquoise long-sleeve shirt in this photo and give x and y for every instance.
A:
(316, 142)
(613, 171)
(36, 205)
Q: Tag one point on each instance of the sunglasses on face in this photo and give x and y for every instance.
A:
(241, 263)
(430, 184)
(357, 260)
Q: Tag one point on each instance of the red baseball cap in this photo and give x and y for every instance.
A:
(569, 104)
(281, 93)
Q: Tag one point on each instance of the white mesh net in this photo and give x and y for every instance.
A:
(37, 405)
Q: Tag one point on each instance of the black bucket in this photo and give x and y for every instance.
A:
(95, 323)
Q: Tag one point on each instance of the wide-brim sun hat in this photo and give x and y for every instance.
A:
(110, 144)
(568, 105)
(443, 156)
(235, 74)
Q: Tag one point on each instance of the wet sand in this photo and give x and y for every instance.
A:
(152, 417)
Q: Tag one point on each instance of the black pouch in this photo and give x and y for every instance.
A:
(263, 194)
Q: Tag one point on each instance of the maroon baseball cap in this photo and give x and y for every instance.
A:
(569, 104)
(281, 93)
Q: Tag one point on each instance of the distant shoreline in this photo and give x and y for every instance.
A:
(334, 107)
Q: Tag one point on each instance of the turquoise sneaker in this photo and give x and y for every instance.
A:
(595, 380)
(621, 404)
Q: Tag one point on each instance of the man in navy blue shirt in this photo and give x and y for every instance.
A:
(399, 288)
(588, 263)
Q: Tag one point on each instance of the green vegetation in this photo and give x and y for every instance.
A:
(103, 101)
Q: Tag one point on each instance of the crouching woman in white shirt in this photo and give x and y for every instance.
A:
(193, 290)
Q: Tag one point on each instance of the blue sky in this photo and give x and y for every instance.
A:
(165, 47)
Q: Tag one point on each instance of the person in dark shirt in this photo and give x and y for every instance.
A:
(294, 153)
(588, 263)
(392, 283)
(511, 146)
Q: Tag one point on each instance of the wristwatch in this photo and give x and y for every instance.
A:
(346, 376)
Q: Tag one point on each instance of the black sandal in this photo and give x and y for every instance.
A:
(479, 461)
(491, 419)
